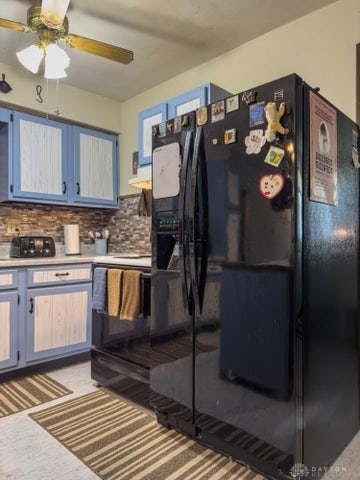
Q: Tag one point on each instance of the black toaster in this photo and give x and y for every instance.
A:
(28, 247)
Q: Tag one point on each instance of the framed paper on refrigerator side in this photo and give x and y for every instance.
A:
(323, 151)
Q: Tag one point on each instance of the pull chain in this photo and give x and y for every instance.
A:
(57, 111)
(47, 98)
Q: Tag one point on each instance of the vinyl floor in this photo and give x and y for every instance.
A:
(28, 452)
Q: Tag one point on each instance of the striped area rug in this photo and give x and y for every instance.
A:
(20, 394)
(120, 442)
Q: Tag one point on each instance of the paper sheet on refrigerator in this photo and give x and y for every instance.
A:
(323, 151)
(166, 168)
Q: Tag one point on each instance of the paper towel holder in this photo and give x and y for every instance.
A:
(72, 239)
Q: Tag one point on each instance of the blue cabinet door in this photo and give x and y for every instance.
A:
(39, 166)
(8, 329)
(179, 105)
(6, 136)
(96, 162)
(58, 321)
(148, 118)
(189, 101)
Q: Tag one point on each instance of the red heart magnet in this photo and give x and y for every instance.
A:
(271, 185)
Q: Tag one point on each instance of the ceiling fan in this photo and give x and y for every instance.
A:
(47, 19)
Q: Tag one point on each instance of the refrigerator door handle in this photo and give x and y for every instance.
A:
(184, 221)
(198, 222)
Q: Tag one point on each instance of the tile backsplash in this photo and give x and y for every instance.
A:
(129, 232)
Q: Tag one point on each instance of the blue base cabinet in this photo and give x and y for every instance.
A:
(180, 105)
(58, 311)
(9, 309)
(45, 314)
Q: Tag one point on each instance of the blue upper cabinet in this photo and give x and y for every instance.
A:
(52, 162)
(194, 99)
(95, 168)
(6, 144)
(148, 118)
(40, 153)
(180, 105)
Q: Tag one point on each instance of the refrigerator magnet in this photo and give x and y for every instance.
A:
(177, 124)
(274, 156)
(279, 95)
(185, 120)
(162, 129)
(254, 141)
(355, 148)
(232, 103)
(249, 97)
(170, 126)
(201, 116)
(256, 114)
(271, 185)
(273, 116)
(230, 136)
(217, 111)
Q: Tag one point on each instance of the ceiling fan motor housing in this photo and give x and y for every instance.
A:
(45, 31)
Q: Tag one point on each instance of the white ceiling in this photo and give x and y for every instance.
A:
(167, 37)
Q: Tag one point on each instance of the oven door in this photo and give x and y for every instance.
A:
(120, 353)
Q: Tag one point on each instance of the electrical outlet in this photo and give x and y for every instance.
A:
(12, 228)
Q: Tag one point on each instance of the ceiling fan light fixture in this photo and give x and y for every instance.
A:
(53, 12)
(31, 57)
(56, 60)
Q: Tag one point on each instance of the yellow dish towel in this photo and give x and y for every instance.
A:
(114, 287)
(131, 295)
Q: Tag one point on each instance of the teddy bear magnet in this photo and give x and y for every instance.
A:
(273, 117)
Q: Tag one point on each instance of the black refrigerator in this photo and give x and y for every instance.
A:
(255, 292)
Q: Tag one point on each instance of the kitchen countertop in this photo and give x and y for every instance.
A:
(6, 262)
(110, 259)
(126, 260)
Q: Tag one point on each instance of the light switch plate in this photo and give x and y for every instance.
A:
(12, 227)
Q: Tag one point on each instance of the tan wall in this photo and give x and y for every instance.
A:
(320, 47)
(74, 103)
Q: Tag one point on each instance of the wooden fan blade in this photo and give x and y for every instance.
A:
(19, 27)
(117, 54)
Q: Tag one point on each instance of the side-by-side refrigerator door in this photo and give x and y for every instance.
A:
(171, 355)
(244, 399)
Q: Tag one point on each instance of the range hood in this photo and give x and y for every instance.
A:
(142, 179)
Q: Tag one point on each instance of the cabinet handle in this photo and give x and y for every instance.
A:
(65, 274)
(77, 188)
(31, 305)
(64, 189)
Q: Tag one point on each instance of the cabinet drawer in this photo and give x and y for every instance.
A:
(9, 279)
(59, 275)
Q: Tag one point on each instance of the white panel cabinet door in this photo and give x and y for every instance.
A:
(96, 166)
(8, 329)
(39, 158)
(146, 120)
(58, 320)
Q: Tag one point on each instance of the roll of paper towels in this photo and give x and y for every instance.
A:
(72, 239)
